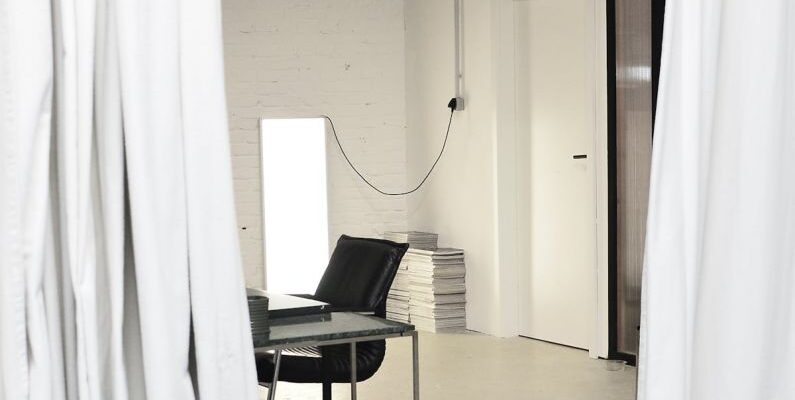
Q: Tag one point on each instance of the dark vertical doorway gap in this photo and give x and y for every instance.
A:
(612, 191)
(658, 22)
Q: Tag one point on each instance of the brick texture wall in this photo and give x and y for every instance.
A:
(298, 58)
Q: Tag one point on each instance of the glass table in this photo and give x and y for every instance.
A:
(333, 328)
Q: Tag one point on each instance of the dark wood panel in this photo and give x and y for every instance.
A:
(634, 32)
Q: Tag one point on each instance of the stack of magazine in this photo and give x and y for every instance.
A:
(437, 289)
(397, 303)
(416, 240)
(258, 311)
(429, 289)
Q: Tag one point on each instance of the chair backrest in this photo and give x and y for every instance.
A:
(359, 274)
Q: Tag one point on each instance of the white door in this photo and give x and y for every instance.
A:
(556, 194)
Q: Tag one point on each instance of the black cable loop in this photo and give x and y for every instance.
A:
(385, 193)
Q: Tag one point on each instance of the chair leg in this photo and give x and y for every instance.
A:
(325, 378)
(326, 390)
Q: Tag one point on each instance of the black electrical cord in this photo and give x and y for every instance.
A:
(385, 193)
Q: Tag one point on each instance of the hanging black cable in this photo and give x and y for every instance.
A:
(385, 193)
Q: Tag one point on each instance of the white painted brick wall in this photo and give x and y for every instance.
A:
(344, 58)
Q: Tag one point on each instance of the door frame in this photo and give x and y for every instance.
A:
(504, 41)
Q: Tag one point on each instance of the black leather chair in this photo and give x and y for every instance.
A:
(357, 278)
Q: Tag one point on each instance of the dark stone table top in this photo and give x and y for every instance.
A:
(333, 326)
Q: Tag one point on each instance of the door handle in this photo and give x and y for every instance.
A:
(579, 156)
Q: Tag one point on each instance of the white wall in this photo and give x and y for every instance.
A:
(471, 199)
(344, 58)
(384, 70)
(460, 201)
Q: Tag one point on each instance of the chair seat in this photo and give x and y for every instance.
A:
(334, 366)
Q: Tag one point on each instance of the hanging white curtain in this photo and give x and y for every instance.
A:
(718, 314)
(120, 275)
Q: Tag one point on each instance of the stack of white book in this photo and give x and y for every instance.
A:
(397, 302)
(415, 239)
(437, 289)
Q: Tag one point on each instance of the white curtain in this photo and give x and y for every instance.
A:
(120, 275)
(718, 315)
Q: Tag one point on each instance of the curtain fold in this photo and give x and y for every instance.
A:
(153, 129)
(718, 307)
(220, 324)
(109, 196)
(25, 112)
(118, 242)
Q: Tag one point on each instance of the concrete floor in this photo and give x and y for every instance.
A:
(475, 366)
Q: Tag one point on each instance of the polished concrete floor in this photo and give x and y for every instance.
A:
(475, 366)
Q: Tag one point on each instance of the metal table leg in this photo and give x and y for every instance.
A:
(415, 349)
(353, 370)
(277, 360)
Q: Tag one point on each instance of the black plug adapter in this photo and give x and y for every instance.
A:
(456, 104)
